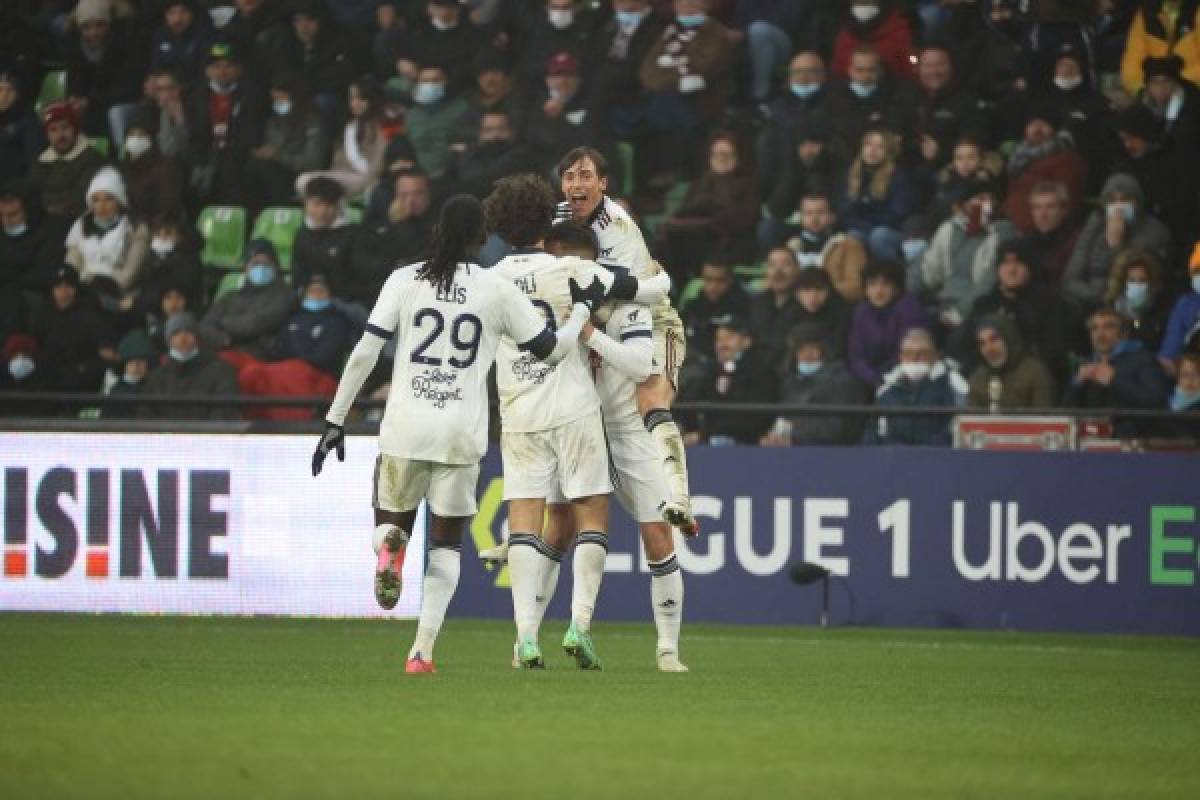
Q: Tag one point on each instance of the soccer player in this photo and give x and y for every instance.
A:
(584, 179)
(448, 316)
(552, 433)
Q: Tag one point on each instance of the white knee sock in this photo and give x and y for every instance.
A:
(588, 572)
(549, 583)
(441, 579)
(527, 559)
(666, 595)
(666, 433)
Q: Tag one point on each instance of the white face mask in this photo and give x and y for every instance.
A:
(561, 18)
(1067, 84)
(136, 146)
(442, 25)
(21, 367)
(916, 371)
(162, 247)
(864, 13)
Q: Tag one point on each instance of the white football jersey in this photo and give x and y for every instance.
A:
(621, 242)
(618, 392)
(535, 396)
(437, 409)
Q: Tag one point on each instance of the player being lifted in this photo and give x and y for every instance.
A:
(584, 177)
(448, 316)
(552, 433)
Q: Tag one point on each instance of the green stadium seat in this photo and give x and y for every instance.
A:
(675, 197)
(354, 214)
(224, 232)
(747, 273)
(229, 283)
(54, 87)
(625, 150)
(278, 226)
(691, 291)
(102, 145)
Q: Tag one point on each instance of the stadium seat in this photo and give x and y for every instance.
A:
(224, 232)
(354, 214)
(229, 283)
(54, 87)
(625, 150)
(102, 145)
(278, 226)
(690, 291)
(748, 273)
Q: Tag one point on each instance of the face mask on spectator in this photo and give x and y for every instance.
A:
(15, 230)
(182, 357)
(21, 367)
(915, 371)
(1196, 283)
(136, 379)
(315, 304)
(861, 89)
(443, 25)
(1136, 294)
(136, 146)
(426, 93)
(803, 90)
(1181, 399)
(561, 17)
(223, 88)
(1067, 84)
(260, 274)
(691, 20)
(864, 13)
(106, 224)
(162, 247)
(807, 368)
(281, 107)
(629, 19)
(1124, 209)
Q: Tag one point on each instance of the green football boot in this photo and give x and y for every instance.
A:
(529, 654)
(579, 645)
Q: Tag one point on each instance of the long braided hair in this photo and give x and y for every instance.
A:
(457, 237)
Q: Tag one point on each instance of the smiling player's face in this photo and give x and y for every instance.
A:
(583, 187)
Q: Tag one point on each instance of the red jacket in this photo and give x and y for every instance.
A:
(1065, 166)
(888, 33)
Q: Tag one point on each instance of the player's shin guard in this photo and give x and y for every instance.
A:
(527, 559)
(666, 594)
(666, 433)
(441, 579)
(548, 582)
(591, 550)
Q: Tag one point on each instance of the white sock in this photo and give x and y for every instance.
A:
(666, 433)
(666, 595)
(588, 572)
(441, 579)
(527, 558)
(548, 584)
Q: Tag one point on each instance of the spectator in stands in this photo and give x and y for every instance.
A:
(1184, 319)
(939, 108)
(687, 76)
(767, 26)
(1055, 231)
(153, 181)
(108, 246)
(864, 100)
(1136, 289)
(824, 310)
(105, 66)
(317, 53)
(135, 354)
(65, 168)
(169, 299)
(322, 245)
(880, 320)
(1119, 374)
(442, 32)
(774, 311)
(1122, 222)
(76, 339)
(563, 26)
(1186, 397)
(22, 373)
(960, 264)
(817, 243)
(1165, 173)
(1046, 153)
(31, 247)
(998, 63)
(494, 153)
(738, 373)
(1174, 101)
(557, 117)
(254, 23)
(190, 371)
(807, 168)
(948, 185)
(814, 376)
(1159, 29)
(718, 212)
(294, 142)
(1045, 321)
(807, 98)
(317, 333)
(1084, 112)
(618, 48)
(250, 318)
(877, 196)
(173, 263)
(921, 378)
(881, 25)
(721, 297)
(225, 121)
(358, 159)
(21, 136)
(182, 40)
(431, 121)
(167, 103)
(493, 92)
(1008, 377)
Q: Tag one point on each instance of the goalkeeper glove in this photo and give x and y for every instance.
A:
(334, 438)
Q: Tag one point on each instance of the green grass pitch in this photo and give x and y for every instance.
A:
(153, 707)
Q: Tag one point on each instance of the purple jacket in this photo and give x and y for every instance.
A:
(875, 335)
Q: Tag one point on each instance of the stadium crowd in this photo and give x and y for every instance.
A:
(959, 203)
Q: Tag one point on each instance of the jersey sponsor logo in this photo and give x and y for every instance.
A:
(528, 369)
(437, 386)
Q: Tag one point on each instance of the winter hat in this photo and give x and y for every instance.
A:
(178, 323)
(135, 344)
(1022, 249)
(60, 111)
(261, 247)
(18, 344)
(1169, 66)
(93, 11)
(108, 180)
(144, 120)
(1139, 121)
(562, 64)
(222, 49)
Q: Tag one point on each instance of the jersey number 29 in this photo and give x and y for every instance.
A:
(465, 331)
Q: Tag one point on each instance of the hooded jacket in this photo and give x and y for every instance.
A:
(957, 269)
(944, 387)
(117, 254)
(1025, 380)
(888, 32)
(63, 178)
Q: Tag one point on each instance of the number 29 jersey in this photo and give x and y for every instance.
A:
(437, 409)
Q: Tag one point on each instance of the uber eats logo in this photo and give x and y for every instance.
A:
(55, 519)
(1174, 552)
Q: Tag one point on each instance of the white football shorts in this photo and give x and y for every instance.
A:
(640, 484)
(401, 484)
(573, 456)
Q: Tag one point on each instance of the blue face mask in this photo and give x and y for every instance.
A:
(628, 19)
(805, 90)
(427, 93)
(1196, 283)
(861, 89)
(1136, 294)
(182, 357)
(691, 20)
(1181, 399)
(282, 107)
(313, 304)
(807, 368)
(260, 274)
(15, 230)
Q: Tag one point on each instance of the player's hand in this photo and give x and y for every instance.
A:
(592, 296)
(334, 438)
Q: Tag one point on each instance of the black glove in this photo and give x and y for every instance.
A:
(334, 437)
(592, 297)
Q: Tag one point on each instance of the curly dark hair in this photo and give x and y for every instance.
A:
(520, 209)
